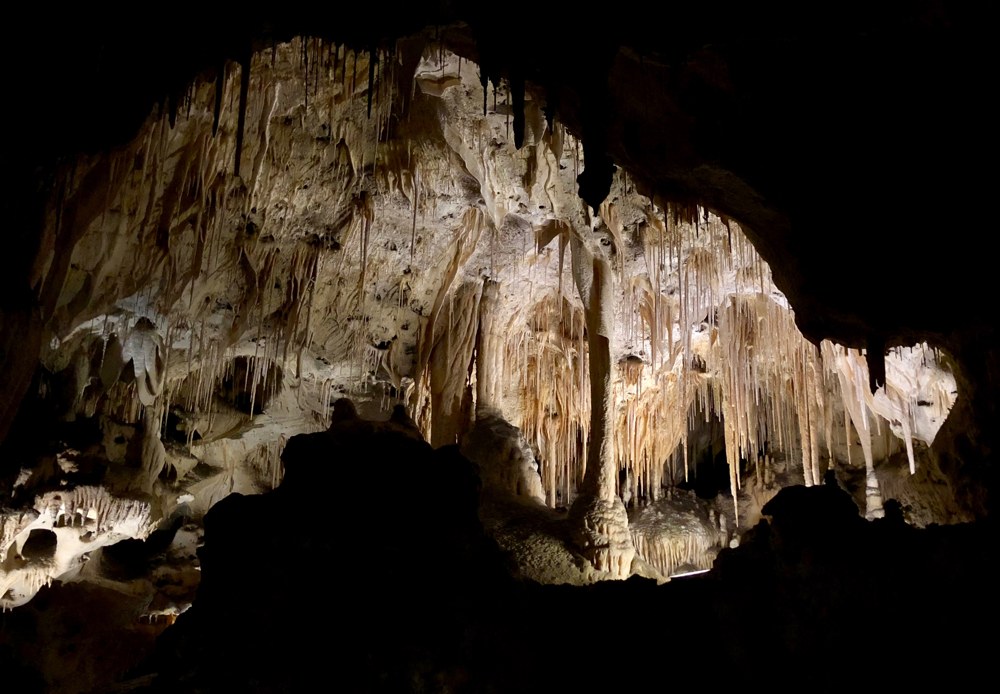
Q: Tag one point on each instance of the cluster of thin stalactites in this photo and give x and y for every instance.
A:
(700, 325)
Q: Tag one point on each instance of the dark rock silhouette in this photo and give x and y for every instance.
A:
(314, 583)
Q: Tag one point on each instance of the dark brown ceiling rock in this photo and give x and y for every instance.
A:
(864, 126)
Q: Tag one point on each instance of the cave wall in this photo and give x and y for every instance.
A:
(165, 206)
(847, 148)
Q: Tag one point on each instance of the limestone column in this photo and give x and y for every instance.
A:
(601, 523)
(488, 343)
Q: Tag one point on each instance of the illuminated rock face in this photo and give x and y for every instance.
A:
(411, 230)
(55, 538)
(322, 221)
(506, 462)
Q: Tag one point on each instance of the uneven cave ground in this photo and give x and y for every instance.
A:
(315, 585)
(456, 569)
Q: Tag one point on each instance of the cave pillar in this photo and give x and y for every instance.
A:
(488, 345)
(810, 410)
(600, 520)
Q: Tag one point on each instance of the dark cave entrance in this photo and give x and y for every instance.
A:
(708, 471)
(40, 545)
(249, 384)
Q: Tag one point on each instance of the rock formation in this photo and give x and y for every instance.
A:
(643, 285)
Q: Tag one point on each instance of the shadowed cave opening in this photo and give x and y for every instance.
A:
(709, 475)
(40, 546)
(249, 384)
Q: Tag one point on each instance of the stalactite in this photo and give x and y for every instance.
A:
(242, 116)
(507, 115)
(371, 79)
(220, 83)
(854, 382)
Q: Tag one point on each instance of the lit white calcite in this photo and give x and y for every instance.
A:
(415, 257)
(80, 520)
(675, 536)
(506, 462)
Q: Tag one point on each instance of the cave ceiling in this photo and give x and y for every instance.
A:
(861, 125)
